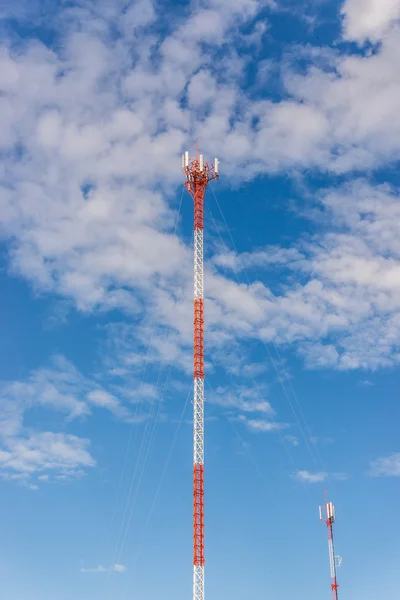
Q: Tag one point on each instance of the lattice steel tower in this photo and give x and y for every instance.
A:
(327, 514)
(198, 175)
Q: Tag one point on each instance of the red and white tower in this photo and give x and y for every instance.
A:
(198, 174)
(327, 514)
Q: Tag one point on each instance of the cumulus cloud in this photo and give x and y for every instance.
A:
(46, 451)
(345, 313)
(91, 133)
(369, 19)
(386, 466)
(354, 98)
(81, 210)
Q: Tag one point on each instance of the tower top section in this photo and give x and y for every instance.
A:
(198, 171)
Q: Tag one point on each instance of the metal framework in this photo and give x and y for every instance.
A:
(198, 174)
(327, 514)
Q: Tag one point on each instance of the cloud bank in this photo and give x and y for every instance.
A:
(91, 132)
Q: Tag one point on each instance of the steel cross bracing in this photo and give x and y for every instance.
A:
(198, 582)
(198, 422)
(198, 175)
(332, 564)
(198, 264)
(329, 511)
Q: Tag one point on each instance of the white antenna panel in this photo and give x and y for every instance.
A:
(201, 162)
(330, 511)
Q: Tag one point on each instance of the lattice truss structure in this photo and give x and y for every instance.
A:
(327, 514)
(198, 175)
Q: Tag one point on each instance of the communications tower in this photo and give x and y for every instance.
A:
(327, 514)
(198, 174)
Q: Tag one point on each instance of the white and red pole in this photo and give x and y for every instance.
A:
(327, 513)
(198, 174)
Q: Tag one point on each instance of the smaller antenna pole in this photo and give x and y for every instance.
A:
(327, 514)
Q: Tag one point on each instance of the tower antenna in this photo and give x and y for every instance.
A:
(327, 514)
(198, 174)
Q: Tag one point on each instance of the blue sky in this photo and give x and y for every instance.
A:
(299, 100)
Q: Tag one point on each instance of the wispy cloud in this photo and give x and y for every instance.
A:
(307, 477)
(292, 439)
(366, 383)
(340, 476)
(62, 390)
(319, 477)
(100, 569)
(45, 451)
(245, 399)
(262, 425)
(387, 466)
(102, 399)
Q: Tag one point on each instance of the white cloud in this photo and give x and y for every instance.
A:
(387, 466)
(319, 477)
(307, 477)
(270, 257)
(91, 136)
(102, 399)
(58, 388)
(238, 364)
(356, 97)
(100, 569)
(61, 389)
(261, 425)
(86, 216)
(345, 314)
(245, 399)
(45, 451)
(369, 19)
